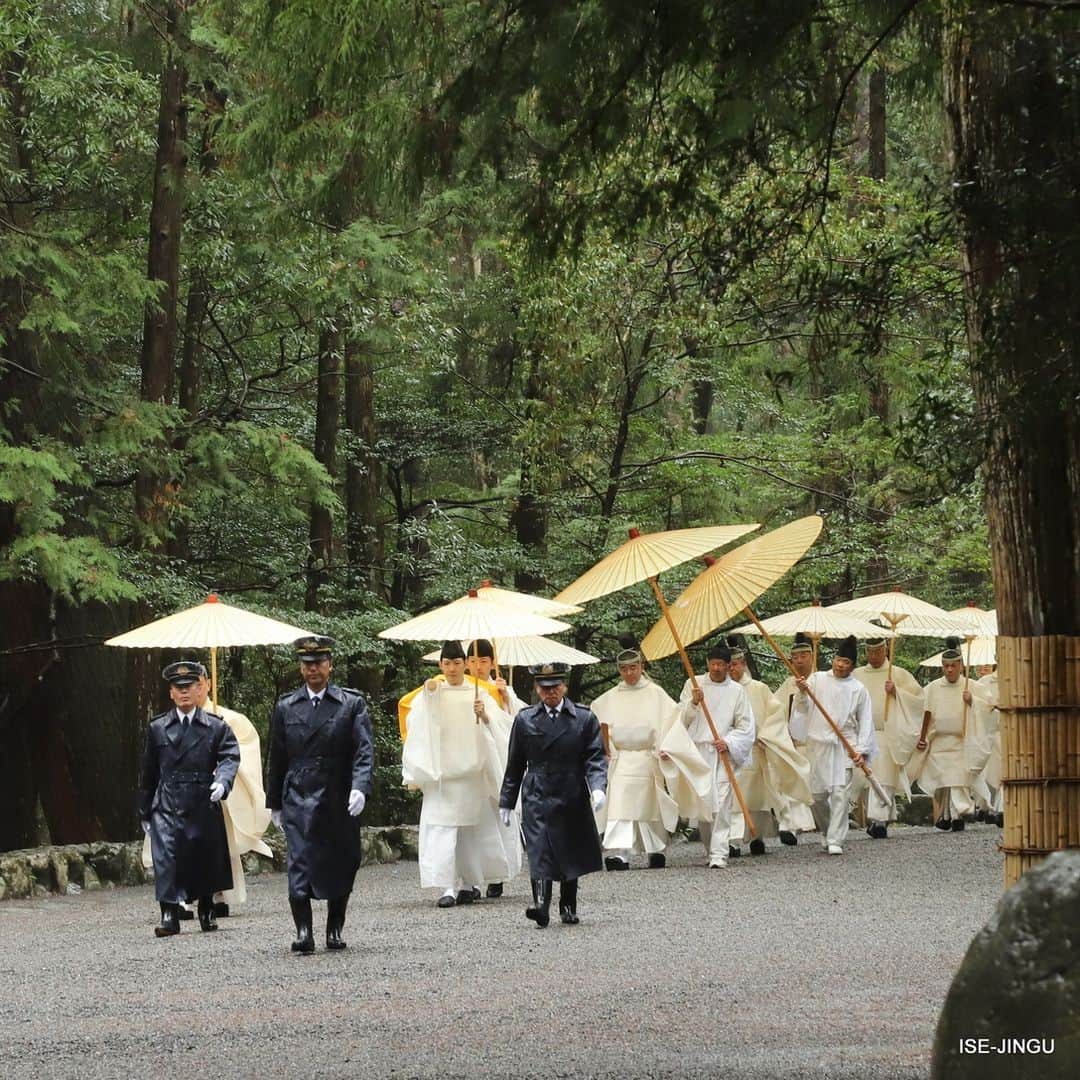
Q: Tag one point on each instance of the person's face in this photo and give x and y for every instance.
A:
(551, 696)
(802, 662)
(984, 670)
(183, 697)
(952, 669)
(316, 673)
(875, 655)
(736, 668)
(841, 667)
(479, 667)
(201, 691)
(631, 673)
(718, 670)
(454, 670)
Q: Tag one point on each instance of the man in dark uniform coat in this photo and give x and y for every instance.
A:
(559, 745)
(318, 778)
(189, 765)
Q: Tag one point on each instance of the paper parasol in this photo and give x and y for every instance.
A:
(211, 625)
(646, 555)
(817, 622)
(906, 614)
(469, 617)
(533, 649)
(536, 605)
(730, 584)
(977, 651)
(975, 621)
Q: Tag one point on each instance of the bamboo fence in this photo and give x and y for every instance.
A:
(1039, 703)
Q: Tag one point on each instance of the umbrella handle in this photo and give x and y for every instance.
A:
(849, 749)
(725, 758)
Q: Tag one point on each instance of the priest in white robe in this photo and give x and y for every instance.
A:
(775, 781)
(847, 702)
(953, 746)
(733, 719)
(989, 794)
(451, 754)
(897, 703)
(644, 742)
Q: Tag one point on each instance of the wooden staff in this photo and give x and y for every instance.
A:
(725, 758)
(893, 622)
(852, 753)
(815, 640)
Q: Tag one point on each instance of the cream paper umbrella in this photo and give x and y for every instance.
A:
(816, 622)
(537, 605)
(978, 651)
(975, 621)
(645, 556)
(470, 617)
(731, 584)
(211, 625)
(533, 649)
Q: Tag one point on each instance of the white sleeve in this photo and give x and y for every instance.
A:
(801, 707)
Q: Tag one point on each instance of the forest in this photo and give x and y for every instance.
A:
(337, 309)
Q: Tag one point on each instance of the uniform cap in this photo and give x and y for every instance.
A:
(184, 673)
(313, 647)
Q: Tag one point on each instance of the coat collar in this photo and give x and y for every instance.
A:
(175, 730)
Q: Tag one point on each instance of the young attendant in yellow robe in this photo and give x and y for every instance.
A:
(645, 744)
(897, 727)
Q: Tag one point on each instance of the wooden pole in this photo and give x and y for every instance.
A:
(967, 672)
(893, 623)
(725, 758)
(815, 640)
(850, 750)
(213, 675)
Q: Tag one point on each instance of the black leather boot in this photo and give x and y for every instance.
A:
(335, 922)
(170, 924)
(568, 902)
(206, 914)
(540, 912)
(757, 846)
(301, 913)
(788, 838)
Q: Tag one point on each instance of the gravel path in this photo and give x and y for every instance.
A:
(683, 972)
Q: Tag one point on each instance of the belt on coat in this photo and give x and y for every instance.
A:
(309, 763)
(188, 777)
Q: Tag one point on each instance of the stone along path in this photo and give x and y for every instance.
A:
(791, 964)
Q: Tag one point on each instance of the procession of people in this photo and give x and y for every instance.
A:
(571, 789)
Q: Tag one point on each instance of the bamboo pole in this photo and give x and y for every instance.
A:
(725, 758)
(849, 749)
(893, 622)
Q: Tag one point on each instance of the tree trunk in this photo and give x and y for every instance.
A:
(163, 264)
(327, 423)
(1012, 90)
(362, 473)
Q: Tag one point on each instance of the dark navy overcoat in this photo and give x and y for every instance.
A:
(555, 765)
(187, 830)
(317, 756)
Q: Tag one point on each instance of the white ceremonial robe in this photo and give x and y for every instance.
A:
(897, 720)
(957, 747)
(641, 813)
(987, 786)
(457, 764)
(776, 778)
(245, 812)
(733, 717)
(847, 701)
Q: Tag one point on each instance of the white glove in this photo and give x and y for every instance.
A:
(146, 827)
(275, 817)
(504, 816)
(217, 791)
(356, 802)
(598, 799)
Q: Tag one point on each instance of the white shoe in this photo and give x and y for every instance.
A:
(718, 864)
(835, 849)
